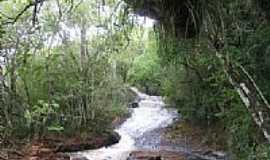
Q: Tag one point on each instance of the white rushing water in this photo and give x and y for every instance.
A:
(150, 115)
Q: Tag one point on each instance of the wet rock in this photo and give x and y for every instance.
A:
(75, 147)
(144, 156)
(89, 143)
(219, 154)
(113, 138)
(155, 158)
(134, 105)
(208, 155)
(79, 158)
(54, 148)
(155, 155)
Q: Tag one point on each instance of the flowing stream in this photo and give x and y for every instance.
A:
(151, 115)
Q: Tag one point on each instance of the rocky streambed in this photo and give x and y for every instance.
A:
(143, 136)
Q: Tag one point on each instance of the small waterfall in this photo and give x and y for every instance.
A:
(149, 116)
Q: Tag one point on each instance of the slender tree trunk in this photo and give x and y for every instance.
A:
(13, 76)
(251, 95)
(12, 81)
(83, 70)
(83, 46)
(2, 99)
(1, 85)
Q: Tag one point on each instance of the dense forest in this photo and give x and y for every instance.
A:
(66, 68)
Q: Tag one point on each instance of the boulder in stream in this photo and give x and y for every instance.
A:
(155, 155)
(80, 144)
(134, 104)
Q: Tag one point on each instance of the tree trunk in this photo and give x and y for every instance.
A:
(84, 70)
(83, 46)
(251, 96)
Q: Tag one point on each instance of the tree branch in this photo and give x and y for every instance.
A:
(26, 8)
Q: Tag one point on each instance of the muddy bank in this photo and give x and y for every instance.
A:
(55, 147)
